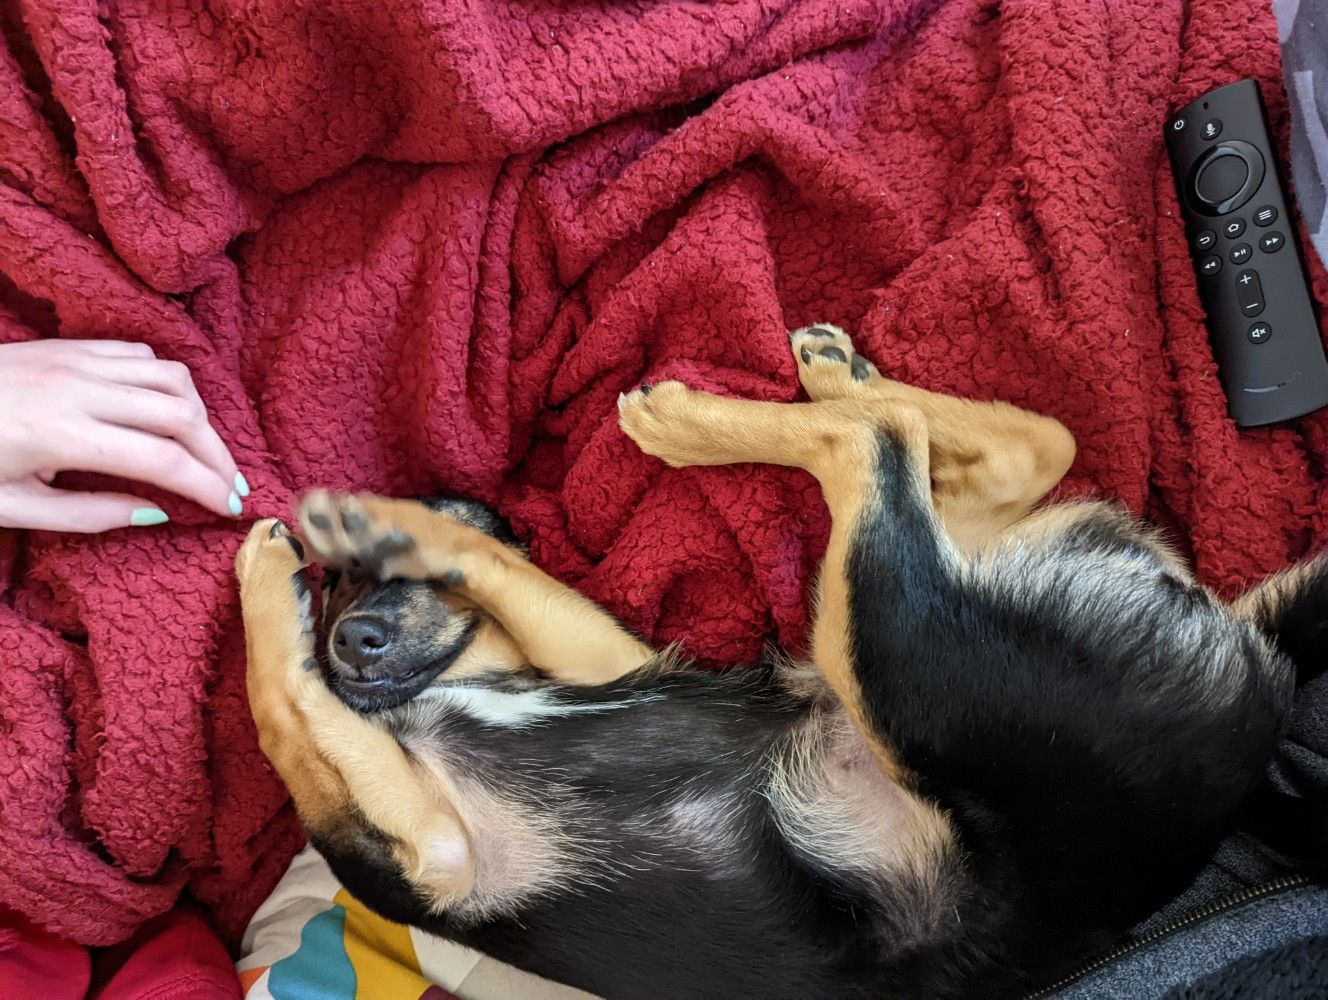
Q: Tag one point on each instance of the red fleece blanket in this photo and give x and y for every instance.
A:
(420, 246)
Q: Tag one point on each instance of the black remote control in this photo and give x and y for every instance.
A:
(1251, 280)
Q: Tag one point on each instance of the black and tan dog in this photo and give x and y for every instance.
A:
(1017, 731)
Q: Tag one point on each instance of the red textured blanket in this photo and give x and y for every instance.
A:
(420, 246)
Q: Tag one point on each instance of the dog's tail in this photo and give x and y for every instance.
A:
(1292, 610)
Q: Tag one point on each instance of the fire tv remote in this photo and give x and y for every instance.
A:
(1251, 280)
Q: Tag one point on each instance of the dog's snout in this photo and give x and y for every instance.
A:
(361, 641)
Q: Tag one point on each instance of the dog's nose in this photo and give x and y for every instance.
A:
(361, 641)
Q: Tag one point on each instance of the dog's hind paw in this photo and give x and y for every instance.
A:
(671, 422)
(828, 367)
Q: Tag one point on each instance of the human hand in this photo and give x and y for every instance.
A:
(110, 407)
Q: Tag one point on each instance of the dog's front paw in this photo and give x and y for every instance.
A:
(269, 549)
(389, 539)
(355, 532)
(274, 587)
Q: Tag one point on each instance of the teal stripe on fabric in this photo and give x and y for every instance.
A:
(320, 968)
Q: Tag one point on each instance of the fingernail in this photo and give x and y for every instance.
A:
(236, 507)
(241, 484)
(146, 517)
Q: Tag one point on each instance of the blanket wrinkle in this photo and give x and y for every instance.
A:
(420, 247)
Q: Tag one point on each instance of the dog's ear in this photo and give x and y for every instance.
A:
(476, 515)
(1291, 608)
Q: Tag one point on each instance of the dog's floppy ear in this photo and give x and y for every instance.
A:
(476, 515)
(1291, 608)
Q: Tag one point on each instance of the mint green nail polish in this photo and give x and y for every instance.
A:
(146, 517)
(236, 506)
(241, 484)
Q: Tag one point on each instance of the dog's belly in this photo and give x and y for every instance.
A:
(840, 813)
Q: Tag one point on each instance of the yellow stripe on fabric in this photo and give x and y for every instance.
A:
(381, 953)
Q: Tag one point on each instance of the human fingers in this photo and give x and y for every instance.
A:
(165, 403)
(148, 458)
(34, 506)
(99, 348)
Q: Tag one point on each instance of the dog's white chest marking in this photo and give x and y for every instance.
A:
(518, 709)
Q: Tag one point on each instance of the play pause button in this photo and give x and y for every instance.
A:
(1259, 333)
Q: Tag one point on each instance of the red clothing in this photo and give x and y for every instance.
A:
(175, 957)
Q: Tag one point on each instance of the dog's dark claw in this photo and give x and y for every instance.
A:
(860, 368)
(297, 546)
(806, 356)
(833, 354)
(820, 331)
(320, 521)
(645, 388)
(277, 530)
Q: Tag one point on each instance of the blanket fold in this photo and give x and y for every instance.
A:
(420, 247)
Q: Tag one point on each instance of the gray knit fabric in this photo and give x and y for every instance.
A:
(1303, 31)
(1288, 920)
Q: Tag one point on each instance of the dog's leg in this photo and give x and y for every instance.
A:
(837, 441)
(985, 464)
(560, 631)
(340, 767)
(990, 462)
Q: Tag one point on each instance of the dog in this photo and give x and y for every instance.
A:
(1018, 731)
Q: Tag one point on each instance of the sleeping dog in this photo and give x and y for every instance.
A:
(1017, 732)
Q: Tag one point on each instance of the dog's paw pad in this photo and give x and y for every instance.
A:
(832, 354)
(861, 369)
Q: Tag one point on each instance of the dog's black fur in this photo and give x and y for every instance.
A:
(1088, 720)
